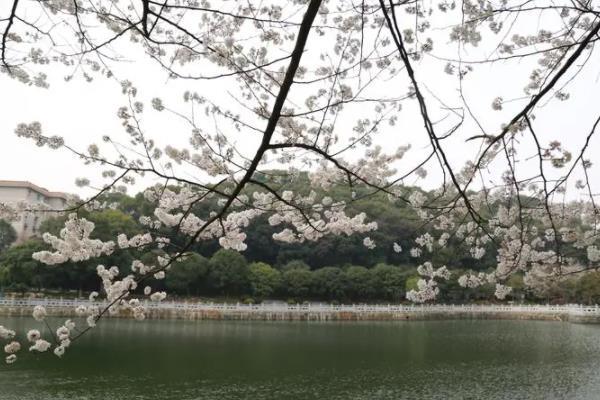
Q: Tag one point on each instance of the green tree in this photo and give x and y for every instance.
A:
(390, 281)
(588, 288)
(411, 283)
(329, 283)
(518, 286)
(228, 272)
(296, 264)
(8, 235)
(264, 279)
(20, 271)
(297, 282)
(185, 277)
(361, 284)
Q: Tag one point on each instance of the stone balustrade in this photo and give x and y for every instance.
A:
(321, 312)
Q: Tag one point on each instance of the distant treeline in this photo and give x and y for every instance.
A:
(335, 268)
(228, 274)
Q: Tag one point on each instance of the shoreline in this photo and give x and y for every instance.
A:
(318, 312)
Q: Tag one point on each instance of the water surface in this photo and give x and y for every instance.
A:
(180, 360)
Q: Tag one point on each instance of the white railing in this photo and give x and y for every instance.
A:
(323, 308)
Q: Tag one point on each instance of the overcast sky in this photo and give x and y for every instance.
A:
(82, 112)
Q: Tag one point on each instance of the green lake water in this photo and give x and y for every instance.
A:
(220, 360)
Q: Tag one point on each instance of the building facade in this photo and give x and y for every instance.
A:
(23, 192)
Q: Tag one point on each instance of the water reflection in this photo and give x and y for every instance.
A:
(210, 360)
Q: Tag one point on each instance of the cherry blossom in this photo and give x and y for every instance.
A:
(317, 89)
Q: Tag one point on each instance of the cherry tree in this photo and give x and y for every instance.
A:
(365, 94)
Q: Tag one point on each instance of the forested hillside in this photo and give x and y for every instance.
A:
(335, 268)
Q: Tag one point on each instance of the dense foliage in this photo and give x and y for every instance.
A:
(336, 268)
(7, 234)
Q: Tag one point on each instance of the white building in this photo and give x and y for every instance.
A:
(16, 192)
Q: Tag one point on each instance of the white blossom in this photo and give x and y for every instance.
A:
(502, 291)
(33, 335)
(593, 253)
(40, 345)
(369, 243)
(158, 296)
(415, 252)
(91, 321)
(12, 347)
(74, 243)
(6, 333)
(59, 351)
(39, 313)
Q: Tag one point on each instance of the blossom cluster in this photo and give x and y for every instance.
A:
(61, 338)
(74, 243)
(427, 289)
(517, 225)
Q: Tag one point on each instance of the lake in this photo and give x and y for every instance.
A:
(129, 360)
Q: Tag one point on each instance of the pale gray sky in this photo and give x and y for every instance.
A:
(82, 112)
